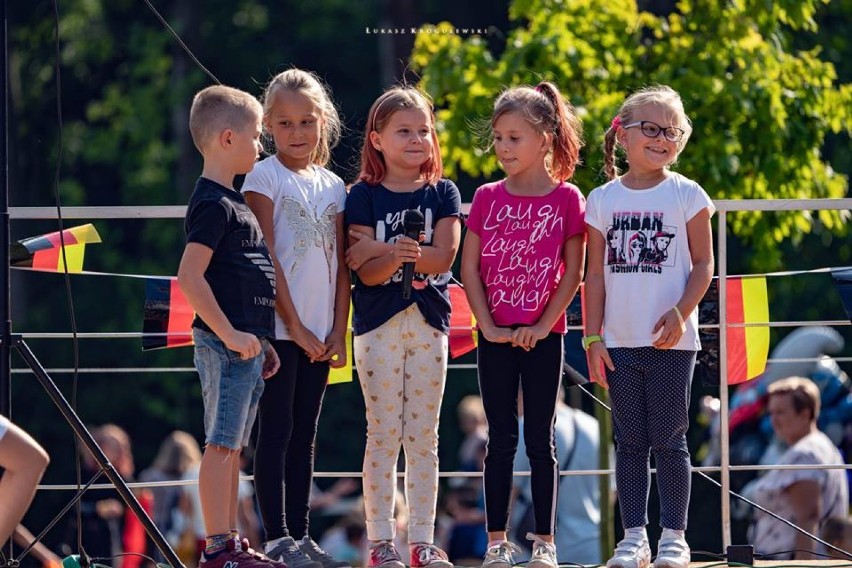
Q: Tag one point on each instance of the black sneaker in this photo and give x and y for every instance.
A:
(288, 552)
(314, 552)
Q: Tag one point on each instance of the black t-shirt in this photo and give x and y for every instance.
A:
(240, 273)
(378, 207)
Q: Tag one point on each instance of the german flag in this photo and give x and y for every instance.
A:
(463, 337)
(45, 252)
(748, 347)
(168, 316)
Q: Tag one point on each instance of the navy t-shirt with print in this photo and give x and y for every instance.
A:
(378, 207)
(240, 273)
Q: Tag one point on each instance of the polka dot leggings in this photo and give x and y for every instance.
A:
(649, 390)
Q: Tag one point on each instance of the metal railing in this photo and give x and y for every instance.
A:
(723, 208)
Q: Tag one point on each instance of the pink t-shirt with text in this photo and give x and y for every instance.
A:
(521, 240)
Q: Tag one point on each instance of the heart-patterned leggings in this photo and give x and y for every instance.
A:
(402, 366)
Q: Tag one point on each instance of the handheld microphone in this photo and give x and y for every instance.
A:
(413, 224)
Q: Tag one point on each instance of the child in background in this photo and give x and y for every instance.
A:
(401, 344)
(23, 462)
(299, 205)
(228, 278)
(522, 264)
(641, 321)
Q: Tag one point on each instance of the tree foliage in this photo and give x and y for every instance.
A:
(761, 109)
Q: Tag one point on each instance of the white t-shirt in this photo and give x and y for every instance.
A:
(770, 535)
(647, 261)
(304, 221)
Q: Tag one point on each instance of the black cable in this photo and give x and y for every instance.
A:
(182, 44)
(714, 555)
(75, 340)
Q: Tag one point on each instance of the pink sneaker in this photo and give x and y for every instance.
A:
(425, 555)
(384, 555)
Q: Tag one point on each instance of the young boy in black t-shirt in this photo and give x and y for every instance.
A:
(228, 278)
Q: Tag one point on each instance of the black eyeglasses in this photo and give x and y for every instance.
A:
(652, 130)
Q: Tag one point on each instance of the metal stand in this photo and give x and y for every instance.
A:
(86, 438)
(8, 341)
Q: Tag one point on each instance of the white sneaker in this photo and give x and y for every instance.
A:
(631, 552)
(672, 551)
(500, 555)
(543, 553)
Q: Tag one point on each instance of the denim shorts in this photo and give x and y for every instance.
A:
(231, 389)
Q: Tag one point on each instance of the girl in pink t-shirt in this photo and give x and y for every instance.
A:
(522, 263)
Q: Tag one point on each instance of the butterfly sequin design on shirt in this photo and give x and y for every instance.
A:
(311, 229)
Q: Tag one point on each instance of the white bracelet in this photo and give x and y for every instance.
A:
(679, 318)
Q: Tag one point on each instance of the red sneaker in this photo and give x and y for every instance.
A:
(425, 555)
(384, 555)
(235, 557)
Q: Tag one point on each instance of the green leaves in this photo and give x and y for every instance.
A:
(761, 110)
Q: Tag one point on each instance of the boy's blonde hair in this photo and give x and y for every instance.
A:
(309, 85)
(218, 108)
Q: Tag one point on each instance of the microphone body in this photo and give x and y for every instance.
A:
(413, 224)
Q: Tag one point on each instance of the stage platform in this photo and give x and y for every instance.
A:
(722, 563)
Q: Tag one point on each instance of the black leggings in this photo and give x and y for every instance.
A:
(502, 368)
(287, 429)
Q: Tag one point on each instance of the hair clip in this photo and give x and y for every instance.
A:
(616, 122)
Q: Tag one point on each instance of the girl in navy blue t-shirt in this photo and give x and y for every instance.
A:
(400, 344)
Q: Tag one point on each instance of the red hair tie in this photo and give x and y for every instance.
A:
(616, 122)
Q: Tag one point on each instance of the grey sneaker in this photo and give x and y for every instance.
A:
(317, 554)
(288, 552)
(500, 555)
(543, 553)
(631, 552)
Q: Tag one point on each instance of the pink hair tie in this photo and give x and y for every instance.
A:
(616, 122)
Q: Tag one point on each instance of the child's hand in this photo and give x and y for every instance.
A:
(406, 250)
(497, 334)
(335, 350)
(304, 338)
(598, 357)
(672, 327)
(356, 235)
(271, 362)
(526, 337)
(246, 344)
(362, 247)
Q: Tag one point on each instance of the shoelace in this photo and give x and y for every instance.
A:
(540, 547)
(429, 552)
(315, 548)
(385, 552)
(504, 550)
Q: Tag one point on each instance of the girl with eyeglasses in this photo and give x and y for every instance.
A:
(642, 322)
